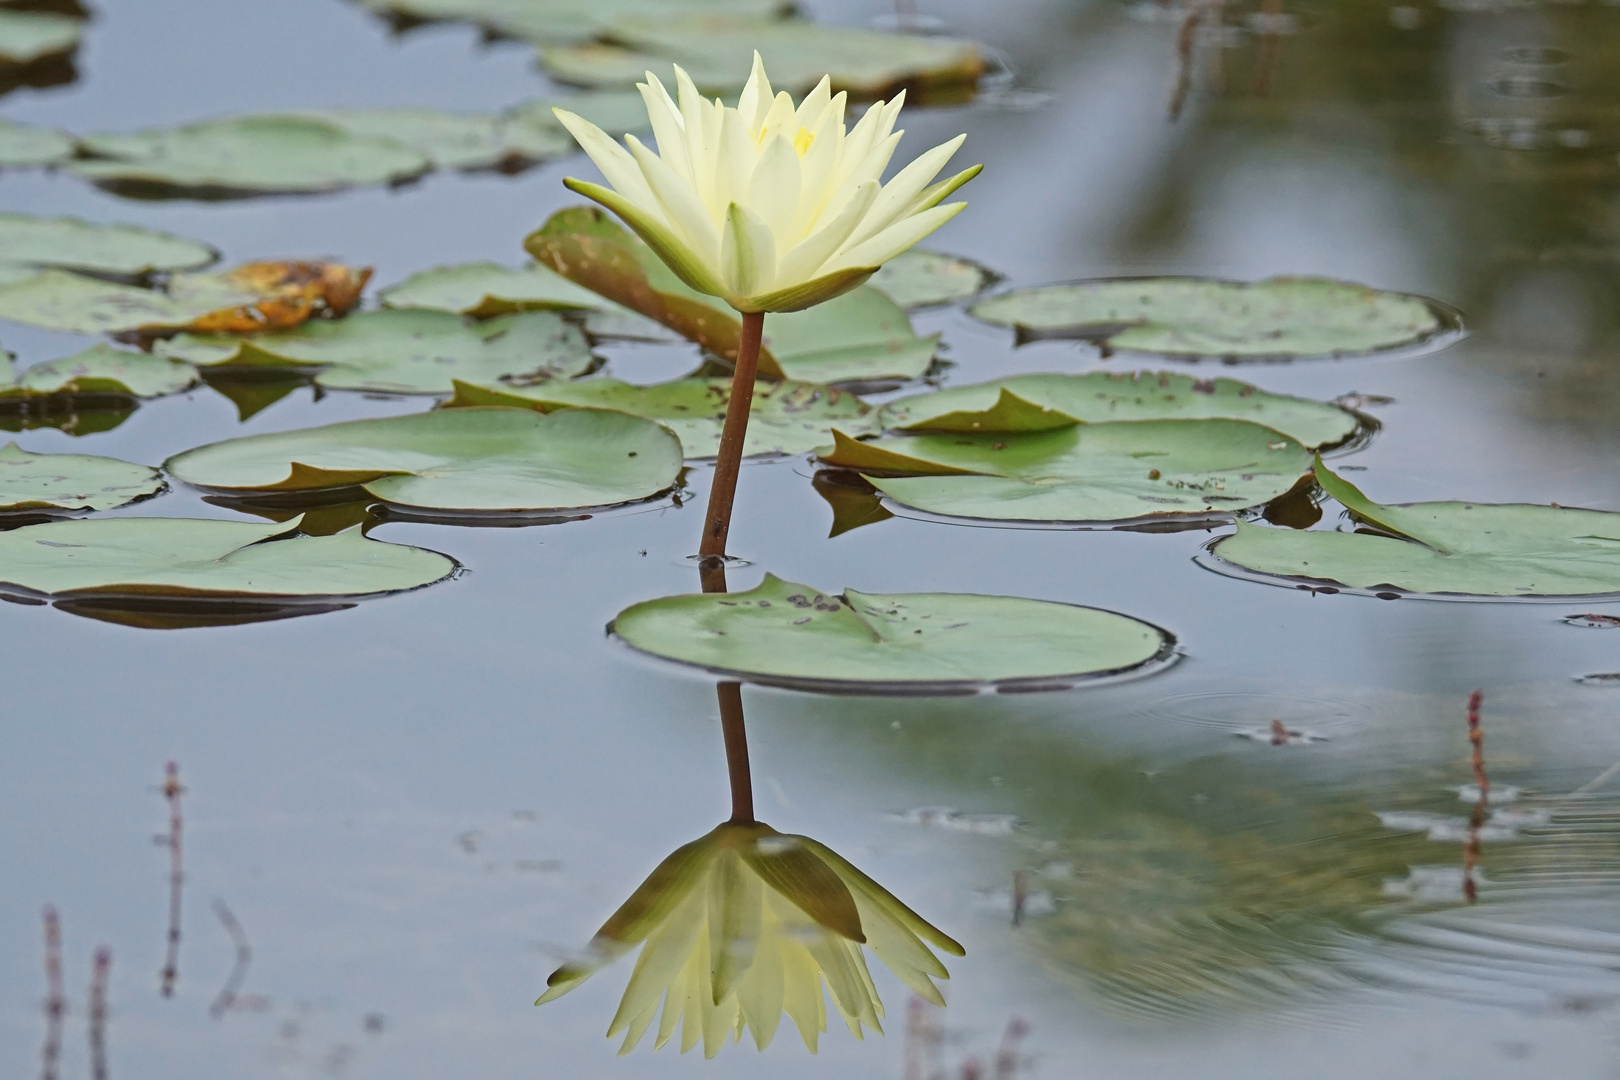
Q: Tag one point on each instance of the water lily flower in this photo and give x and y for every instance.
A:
(770, 206)
(745, 924)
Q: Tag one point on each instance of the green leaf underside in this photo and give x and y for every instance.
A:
(1038, 402)
(919, 278)
(718, 53)
(1086, 473)
(450, 140)
(26, 36)
(407, 351)
(485, 289)
(24, 144)
(182, 557)
(789, 632)
(1456, 548)
(75, 304)
(476, 459)
(785, 417)
(566, 20)
(72, 244)
(70, 482)
(102, 369)
(1279, 317)
(248, 155)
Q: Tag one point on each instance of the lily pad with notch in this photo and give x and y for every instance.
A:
(22, 145)
(99, 371)
(408, 351)
(784, 634)
(482, 290)
(562, 20)
(1281, 318)
(474, 460)
(1441, 550)
(1105, 474)
(920, 278)
(123, 251)
(49, 484)
(785, 417)
(1024, 403)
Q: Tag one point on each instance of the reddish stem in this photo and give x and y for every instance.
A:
(723, 491)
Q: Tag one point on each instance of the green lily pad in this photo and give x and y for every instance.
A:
(506, 460)
(860, 336)
(22, 144)
(27, 36)
(404, 351)
(486, 289)
(139, 558)
(1110, 472)
(717, 51)
(563, 20)
(71, 244)
(785, 417)
(247, 155)
(792, 635)
(34, 482)
(75, 304)
(918, 278)
(1045, 402)
(1276, 319)
(617, 112)
(103, 370)
(452, 140)
(1439, 549)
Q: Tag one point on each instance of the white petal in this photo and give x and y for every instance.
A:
(615, 162)
(699, 143)
(778, 120)
(814, 102)
(773, 190)
(756, 95)
(680, 203)
(802, 262)
(736, 155)
(817, 168)
(900, 193)
(903, 234)
(747, 253)
(668, 129)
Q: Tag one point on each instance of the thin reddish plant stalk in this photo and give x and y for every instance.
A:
(55, 996)
(172, 790)
(98, 1013)
(1476, 740)
(723, 491)
(737, 768)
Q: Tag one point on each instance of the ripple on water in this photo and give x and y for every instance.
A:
(1259, 714)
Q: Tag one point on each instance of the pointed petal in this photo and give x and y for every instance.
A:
(747, 253)
(860, 884)
(898, 194)
(679, 202)
(661, 961)
(810, 109)
(638, 1028)
(735, 158)
(668, 130)
(735, 905)
(804, 260)
(896, 238)
(802, 994)
(688, 265)
(808, 294)
(756, 95)
(616, 164)
(773, 190)
(938, 193)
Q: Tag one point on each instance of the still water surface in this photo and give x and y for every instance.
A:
(416, 808)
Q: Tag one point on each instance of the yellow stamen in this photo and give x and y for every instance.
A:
(802, 141)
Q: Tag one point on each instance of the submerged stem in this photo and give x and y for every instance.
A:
(742, 781)
(717, 520)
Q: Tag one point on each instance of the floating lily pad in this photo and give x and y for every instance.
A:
(508, 460)
(1276, 319)
(563, 20)
(860, 336)
(103, 370)
(1110, 472)
(717, 51)
(1045, 402)
(404, 352)
(21, 144)
(72, 244)
(1439, 549)
(785, 417)
(27, 36)
(919, 278)
(792, 635)
(68, 482)
(452, 140)
(247, 155)
(486, 289)
(617, 112)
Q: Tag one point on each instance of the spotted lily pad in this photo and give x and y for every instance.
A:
(22, 144)
(404, 352)
(67, 482)
(452, 140)
(71, 244)
(1439, 549)
(486, 289)
(717, 51)
(247, 155)
(785, 417)
(1109, 472)
(27, 36)
(564, 20)
(1025, 403)
(793, 635)
(919, 278)
(1277, 319)
(102, 370)
(492, 459)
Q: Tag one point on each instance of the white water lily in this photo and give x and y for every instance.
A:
(771, 206)
(745, 924)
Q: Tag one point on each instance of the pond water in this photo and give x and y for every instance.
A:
(415, 809)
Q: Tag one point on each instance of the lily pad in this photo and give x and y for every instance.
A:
(617, 112)
(404, 352)
(485, 289)
(22, 144)
(563, 20)
(102, 370)
(1044, 402)
(1439, 549)
(785, 417)
(69, 482)
(27, 36)
(71, 244)
(785, 634)
(247, 155)
(506, 460)
(859, 337)
(918, 278)
(452, 140)
(717, 51)
(1277, 319)
(1111, 472)
(106, 562)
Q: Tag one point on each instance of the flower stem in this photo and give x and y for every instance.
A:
(717, 520)
(742, 781)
